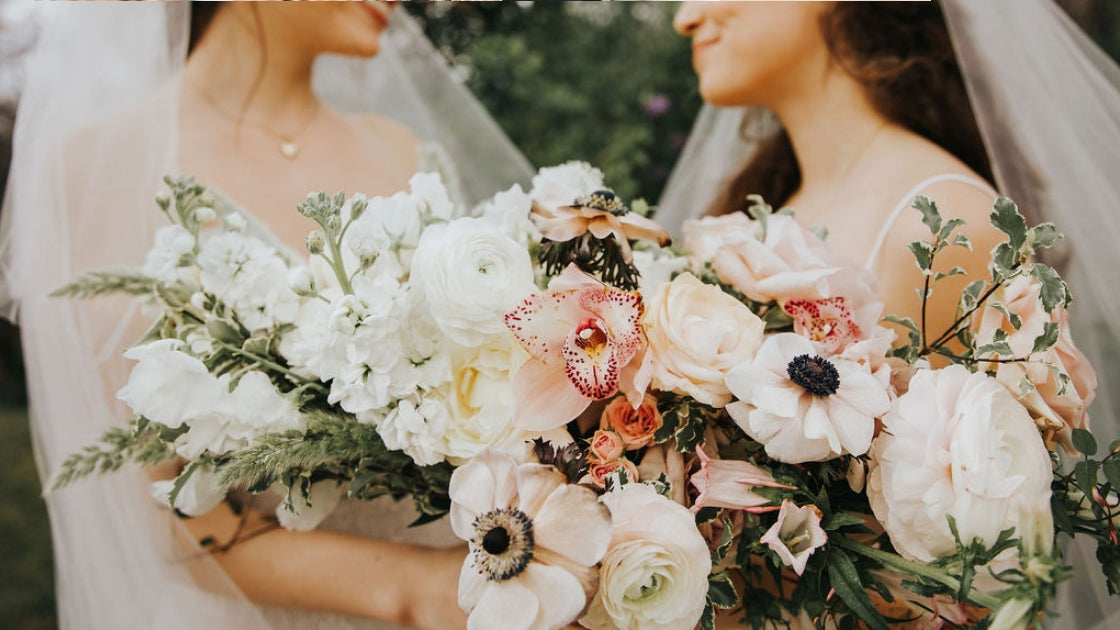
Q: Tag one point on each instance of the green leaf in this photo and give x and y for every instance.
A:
(1054, 291)
(902, 321)
(923, 254)
(1085, 472)
(997, 348)
(1004, 257)
(930, 215)
(1085, 442)
(844, 577)
(224, 331)
(971, 294)
(720, 552)
(840, 519)
(961, 240)
(708, 617)
(1049, 337)
(1111, 468)
(948, 228)
(1044, 235)
(1006, 218)
(721, 591)
(955, 271)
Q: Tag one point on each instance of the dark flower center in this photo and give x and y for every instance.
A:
(503, 543)
(604, 200)
(496, 541)
(815, 374)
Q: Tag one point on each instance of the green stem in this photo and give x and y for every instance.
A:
(918, 569)
(273, 366)
(336, 264)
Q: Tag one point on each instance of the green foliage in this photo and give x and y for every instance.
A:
(564, 80)
(685, 420)
(141, 442)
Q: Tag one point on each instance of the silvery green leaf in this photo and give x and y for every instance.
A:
(930, 215)
(997, 348)
(971, 294)
(923, 255)
(1044, 235)
(1012, 318)
(955, 271)
(1006, 218)
(1053, 291)
(961, 240)
(948, 228)
(1049, 337)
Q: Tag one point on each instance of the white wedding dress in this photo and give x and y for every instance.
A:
(98, 128)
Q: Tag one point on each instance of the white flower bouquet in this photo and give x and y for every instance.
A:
(626, 435)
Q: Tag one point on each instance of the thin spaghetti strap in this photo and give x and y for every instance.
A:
(908, 199)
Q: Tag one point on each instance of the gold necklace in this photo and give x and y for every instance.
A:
(858, 155)
(289, 147)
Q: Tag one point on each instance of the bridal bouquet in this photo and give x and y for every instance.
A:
(628, 435)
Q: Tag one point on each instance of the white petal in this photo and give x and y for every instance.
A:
(854, 428)
(472, 585)
(862, 391)
(480, 485)
(574, 524)
(560, 595)
(508, 605)
(535, 482)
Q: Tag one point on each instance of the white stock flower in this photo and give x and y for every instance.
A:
(305, 514)
(957, 444)
(428, 189)
(803, 406)
(249, 276)
(696, 334)
(557, 186)
(415, 429)
(471, 274)
(534, 541)
(235, 222)
(654, 575)
(162, 262)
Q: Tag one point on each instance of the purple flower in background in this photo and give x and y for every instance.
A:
(677, 140)
(657, 105)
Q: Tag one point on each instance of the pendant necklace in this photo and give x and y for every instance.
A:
(289, 146)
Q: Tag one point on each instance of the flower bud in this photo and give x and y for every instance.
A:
(163, 200)
(302, 282)
(316, 241)
(333, 224)
(204, 214)
(358, 205)
(234, 222)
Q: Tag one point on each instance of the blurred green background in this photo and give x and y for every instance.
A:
(609, 83)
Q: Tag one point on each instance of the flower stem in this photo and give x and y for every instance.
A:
(894, 561)
(272, 365)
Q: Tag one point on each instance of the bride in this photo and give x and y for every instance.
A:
(847, 111)
(263, 102)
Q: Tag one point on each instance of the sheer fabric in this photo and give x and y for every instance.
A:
(1047, 101)
(97, 130)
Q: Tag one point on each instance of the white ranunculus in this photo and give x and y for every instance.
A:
(168, 386)
(201, 492)
(480, 396)
(697, 333)
(471, 274)
(509, 210)
(162, 262)
(305, 514)
(655, 573)
(557, 186)
(957, 444)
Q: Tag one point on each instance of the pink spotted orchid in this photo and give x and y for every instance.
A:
(586, 343)
(829, 322)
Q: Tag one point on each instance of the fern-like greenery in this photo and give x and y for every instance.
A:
(114, 281)
(142, 442)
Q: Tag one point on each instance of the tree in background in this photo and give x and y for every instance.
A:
(608, 83)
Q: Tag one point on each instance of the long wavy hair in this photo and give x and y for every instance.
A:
(902, 56)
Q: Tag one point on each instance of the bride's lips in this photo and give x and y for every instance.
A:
(700, 46)
(377, 13)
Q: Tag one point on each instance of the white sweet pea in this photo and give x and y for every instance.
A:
(654, 575)
(471, 274)
(803, 406)
(303, 515)
(168, 386)
(958, 444)
(557, 186)
(201, 492)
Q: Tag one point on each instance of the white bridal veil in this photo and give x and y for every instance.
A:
(1047, 101)
(97, 130)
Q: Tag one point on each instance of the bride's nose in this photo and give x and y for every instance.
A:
(688, 18)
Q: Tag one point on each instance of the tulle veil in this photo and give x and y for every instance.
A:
(97, 130)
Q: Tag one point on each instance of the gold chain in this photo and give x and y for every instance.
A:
(289, 147)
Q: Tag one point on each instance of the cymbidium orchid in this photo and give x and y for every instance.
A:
(586, 343)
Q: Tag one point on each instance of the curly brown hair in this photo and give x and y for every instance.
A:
(902, 56)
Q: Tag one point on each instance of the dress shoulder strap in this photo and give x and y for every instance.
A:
(908, 199)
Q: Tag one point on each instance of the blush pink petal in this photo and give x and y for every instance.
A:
(544, 397)
(542, 321)
(560, 596)
(635, 376)
(535, 482)
(477, 487)
(576, 529)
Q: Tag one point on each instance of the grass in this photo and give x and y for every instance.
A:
(26, 564)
